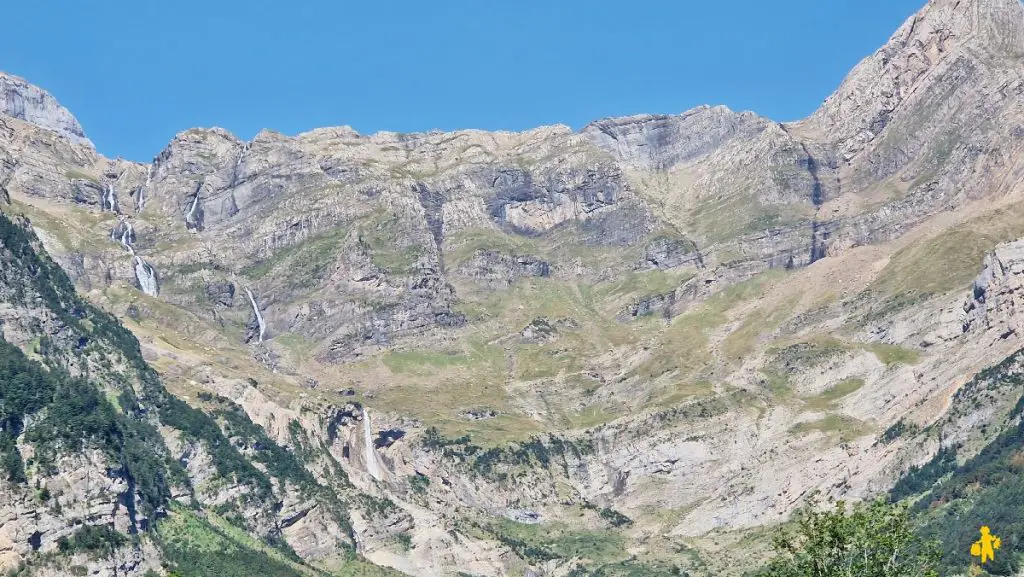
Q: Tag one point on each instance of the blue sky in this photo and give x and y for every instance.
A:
(135, 73)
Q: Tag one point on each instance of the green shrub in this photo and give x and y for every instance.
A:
(418, 483)
(867, 540)
(97, 540)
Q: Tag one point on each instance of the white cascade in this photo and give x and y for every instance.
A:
(140, 203)
(371, 454)
(147, 277)
(109, 200)
(191, 216)
(238, 164)
(126, 237)
(259, 316)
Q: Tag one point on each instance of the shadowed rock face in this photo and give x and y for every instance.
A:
(221, 293)
(661, 142)
(500, 271)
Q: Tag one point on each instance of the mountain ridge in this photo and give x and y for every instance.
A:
(660, 330)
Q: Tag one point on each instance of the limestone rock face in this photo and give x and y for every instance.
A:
(694, 320)
(995, 304)
(662, 142)
(947, 43)
(24, 101)
(501, 271)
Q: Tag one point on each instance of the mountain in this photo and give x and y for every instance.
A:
(626, 350)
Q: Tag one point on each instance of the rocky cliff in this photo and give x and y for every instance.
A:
(651, 335)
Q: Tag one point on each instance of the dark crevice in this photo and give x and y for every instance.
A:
(817, 193)
(433, 209)
(35, 540)
(128, 500)
(819, 241)
(670, 302)
(387, 438)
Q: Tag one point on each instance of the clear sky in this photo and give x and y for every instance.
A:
(137, 72)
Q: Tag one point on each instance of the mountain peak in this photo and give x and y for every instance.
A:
(943, 36)
(25, 101)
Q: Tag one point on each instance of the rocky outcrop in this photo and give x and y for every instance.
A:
(531, 204)
(538, 331)
(221, 293)
(661, 142)
(996, 303)
(941, 45)
(652, 304)
(668, 253)
(497, 270)
(82, 492)
(24, 101)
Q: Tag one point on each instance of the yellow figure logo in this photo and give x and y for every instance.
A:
(986, 546)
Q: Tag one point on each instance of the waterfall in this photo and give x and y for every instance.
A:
(147, 277)
(259, 317)
(371, 455)
(195, 204)
(190, 218)
(238, 163)
(140, 202)
(126, 237)
(109, 200)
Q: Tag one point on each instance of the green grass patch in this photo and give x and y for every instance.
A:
(304, 263)
(729, 217)
(567, 355)
(951, 259)
(197, 548)
(382, 234)
(589, 417)
(472, 378)
(462, 246)
(683, 346)
(894, 355)
(678, 393)
(807, 354)
(299, 347)
(777, 384)
(744, 339)
(76, 173)
(542, 542)
(643, 283)
(835, 426)
(834, 394)
(424, 362)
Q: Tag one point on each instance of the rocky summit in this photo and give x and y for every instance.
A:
(631, 349)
